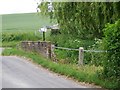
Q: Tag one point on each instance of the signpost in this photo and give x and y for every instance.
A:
(43, 36)
(43, 30)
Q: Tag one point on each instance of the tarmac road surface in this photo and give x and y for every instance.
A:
(20, 73)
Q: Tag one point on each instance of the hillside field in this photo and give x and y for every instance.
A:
(23, 22)
(20, 27)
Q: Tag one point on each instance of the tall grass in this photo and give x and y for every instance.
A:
(12, 39)
(88, 74)
(19, 36)
(20, 27)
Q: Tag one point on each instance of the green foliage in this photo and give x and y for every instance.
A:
(20, 27)
(92, 58)
(66, 56)
(13, 39)
(70, 42)
(84, 20)
(83, 74)
(8, 37)
(10, 44)
(112, 45)
(96, 54)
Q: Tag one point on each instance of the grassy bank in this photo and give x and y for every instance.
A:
(86, 73)
(13, 39)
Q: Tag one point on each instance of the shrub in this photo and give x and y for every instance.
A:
(98, 55)
(111, 42)
(68, 41)
(8, 37)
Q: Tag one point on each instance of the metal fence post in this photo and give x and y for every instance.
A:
(81, 56)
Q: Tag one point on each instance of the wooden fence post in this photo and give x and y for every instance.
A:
(52, 51)
(81, 56)
(48, 49)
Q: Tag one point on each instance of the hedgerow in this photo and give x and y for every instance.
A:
(111, 43)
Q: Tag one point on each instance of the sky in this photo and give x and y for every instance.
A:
(22, 6)
(17, 6)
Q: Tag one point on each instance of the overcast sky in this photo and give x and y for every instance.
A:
(17, 6)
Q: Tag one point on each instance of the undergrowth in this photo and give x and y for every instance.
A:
(88, 74)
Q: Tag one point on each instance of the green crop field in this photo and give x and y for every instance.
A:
(20, 27)
(23, 22)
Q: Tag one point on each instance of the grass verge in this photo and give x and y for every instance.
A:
(10, 44)
(83, 74)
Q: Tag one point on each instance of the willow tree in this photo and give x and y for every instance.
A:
(83, 19)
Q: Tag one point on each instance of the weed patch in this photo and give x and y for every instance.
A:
(82, 73)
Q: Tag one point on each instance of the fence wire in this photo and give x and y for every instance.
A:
(94, 57)
(97, 51)
(66, 48)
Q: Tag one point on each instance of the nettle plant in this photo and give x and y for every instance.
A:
(112, 45)
(96, 58)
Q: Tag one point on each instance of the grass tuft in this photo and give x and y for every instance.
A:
(83, 74)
